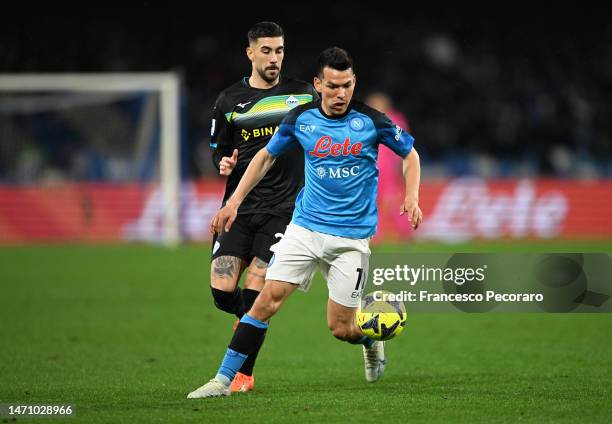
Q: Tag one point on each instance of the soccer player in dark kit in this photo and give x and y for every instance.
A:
(245, 117)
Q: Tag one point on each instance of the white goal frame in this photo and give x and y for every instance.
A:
(166, 84)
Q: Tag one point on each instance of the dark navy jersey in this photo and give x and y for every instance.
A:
(339, 195)
(245, 118)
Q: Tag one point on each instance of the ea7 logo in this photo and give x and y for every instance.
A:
(307, 128)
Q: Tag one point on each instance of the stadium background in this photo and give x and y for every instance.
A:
(510, 111)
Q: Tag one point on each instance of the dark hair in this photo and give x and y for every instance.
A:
(264, 29)
(335, 58)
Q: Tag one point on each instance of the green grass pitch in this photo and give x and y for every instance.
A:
(125, 332)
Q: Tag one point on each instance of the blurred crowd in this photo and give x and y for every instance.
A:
(486, 95)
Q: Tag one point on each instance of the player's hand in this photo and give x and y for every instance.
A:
(410, 207)
(227, 164)
(224, 217)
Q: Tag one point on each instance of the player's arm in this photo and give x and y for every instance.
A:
(224, 154)
(257, 169)
(411, 167)
(400, 142)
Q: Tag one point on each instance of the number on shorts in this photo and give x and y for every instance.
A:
(360, 278)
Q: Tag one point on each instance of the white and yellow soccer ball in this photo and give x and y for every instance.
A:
(379, 318)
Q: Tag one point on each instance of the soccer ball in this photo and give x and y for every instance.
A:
(381, 319)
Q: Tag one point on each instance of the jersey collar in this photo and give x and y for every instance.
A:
(245, 82)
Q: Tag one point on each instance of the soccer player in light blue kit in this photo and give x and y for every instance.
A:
(335, 213)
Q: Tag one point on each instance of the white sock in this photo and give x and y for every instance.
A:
(223, 379)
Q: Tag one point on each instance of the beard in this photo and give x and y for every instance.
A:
(269, 74)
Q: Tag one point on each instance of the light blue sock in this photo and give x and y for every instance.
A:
(254, 322)
(232, 362)
(223, 379)
(364, 340)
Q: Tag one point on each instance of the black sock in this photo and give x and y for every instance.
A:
(248, 298)
(249, 363)
(247, 338)
(230, 302)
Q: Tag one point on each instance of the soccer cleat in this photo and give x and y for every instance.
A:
(213, 388)
(375, 361)
(242, 383)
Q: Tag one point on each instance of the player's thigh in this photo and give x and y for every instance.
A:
(230, 255)
(268, 229)
(271, 298)
(346, 275)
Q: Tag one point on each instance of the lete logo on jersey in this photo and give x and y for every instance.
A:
(326, 147)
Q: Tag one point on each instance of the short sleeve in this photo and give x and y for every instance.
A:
(220, 126)
(393, 136)
(221, 131)
(284, 138)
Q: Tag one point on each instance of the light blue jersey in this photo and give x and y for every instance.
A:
(341, 176)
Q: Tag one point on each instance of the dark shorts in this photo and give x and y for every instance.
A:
(250, 236)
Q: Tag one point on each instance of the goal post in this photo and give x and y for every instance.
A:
(166, 84)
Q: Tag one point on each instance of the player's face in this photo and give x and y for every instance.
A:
(336, 88)
(266, 56)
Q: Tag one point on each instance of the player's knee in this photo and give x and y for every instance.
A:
(225, 272)
(340, 331)
(256, 276)
(223, 284)
(255, 282)
(230, 302)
